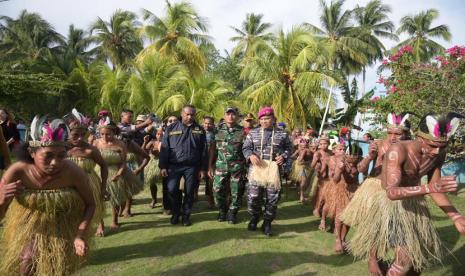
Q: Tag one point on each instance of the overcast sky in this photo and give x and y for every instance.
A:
(222, 14)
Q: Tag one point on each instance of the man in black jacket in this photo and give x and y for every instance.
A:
(183, 153)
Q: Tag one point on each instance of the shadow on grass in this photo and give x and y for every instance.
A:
(260, 264)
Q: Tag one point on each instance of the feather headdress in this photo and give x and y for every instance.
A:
(77, 120)
(45, 133)
(399, 121)
(105, 122)
(439, 127)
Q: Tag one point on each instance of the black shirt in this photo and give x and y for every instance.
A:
(184, 145)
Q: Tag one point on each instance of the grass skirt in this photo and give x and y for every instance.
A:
(357, 209)
(397, 223)
(298, 171)
(48, 221)
(337, 196)
(152, 172)
(88, 165)
(135, 183)
(119, 190)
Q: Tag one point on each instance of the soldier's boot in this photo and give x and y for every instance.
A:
(232, 217)
(186, 220)
(266, 227)
(174, 219)
(253, 223)
(222, 215)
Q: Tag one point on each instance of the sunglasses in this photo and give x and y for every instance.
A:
(171, 121)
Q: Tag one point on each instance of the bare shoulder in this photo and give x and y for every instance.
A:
(16, 169)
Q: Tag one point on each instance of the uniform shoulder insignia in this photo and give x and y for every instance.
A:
(177, 132)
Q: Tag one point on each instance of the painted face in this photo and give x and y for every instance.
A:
(107, 134)
(433, 148)
(49, 159)
(323, 145)
(395, 135)
(77, 136)
(266, 121)
(188, 116)
(230, 117)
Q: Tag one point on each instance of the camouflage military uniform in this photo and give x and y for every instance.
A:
(230, 167)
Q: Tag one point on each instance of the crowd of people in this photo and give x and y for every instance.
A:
(53, 198)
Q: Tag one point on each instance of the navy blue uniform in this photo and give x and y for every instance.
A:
(183, 152)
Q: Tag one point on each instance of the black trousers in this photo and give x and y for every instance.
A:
(190, 173)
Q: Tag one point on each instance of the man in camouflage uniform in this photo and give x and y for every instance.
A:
(266, 142)
(228, 169)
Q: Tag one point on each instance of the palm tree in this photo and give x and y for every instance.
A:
(26, 40)
(207, 93)
(252, 34)
(347, 51)
(178, 35)
(288, 76)
(117, 39)
(156, 78)
(372, 24)
(113, 93)
(71, 51)
(418, 27)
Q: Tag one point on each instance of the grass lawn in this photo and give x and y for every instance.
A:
(147, 244)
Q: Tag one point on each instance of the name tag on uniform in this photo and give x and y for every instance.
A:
(197, 132)
(178, 132)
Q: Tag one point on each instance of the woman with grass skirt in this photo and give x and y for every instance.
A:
(114, 151)
(301, 170)
(152, 171)
(47, 206)
(320, 166)
(133, 174)
(86, 157)
(344, 176)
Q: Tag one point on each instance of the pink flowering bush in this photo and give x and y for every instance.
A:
(437, 86)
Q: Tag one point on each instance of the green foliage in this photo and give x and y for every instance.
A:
(108, 67)
(420, 32)
(27, 93)
(281, 76)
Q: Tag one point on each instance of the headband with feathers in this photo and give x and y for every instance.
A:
(77, 120)
(399, 121)
(46, 133)
(439, 127)
(105, 122)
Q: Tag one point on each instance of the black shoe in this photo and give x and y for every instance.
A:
(266, 227)
(222, 216)
(186, 221)
(232, 219)
(174, 219)
(253, 224)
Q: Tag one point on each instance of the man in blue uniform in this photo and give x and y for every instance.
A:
(183, 154)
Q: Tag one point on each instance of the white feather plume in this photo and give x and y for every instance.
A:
(78, 115)
(431, 124)
(35, 128)
(454, 124)
(404, 119)
(390, 119)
